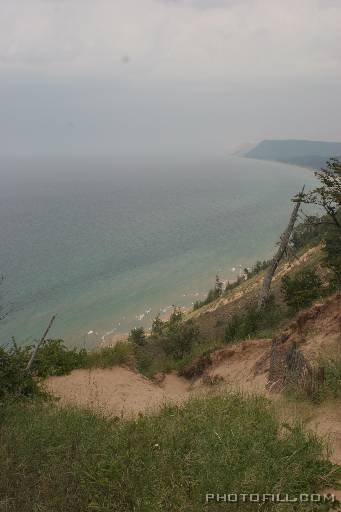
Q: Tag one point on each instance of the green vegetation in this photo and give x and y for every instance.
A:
(106, 357)
(324, 383)
(301, 289)
(54, 358)
(308, 233)
(179, 336)
(317, 230)
(332, 259)
(54, 459)
(212, 295)
(169, 346)
(218, 290)
(137, 336)
(326, 228)
(254, 323)
(256, 268)
(13, 378)
(332, 378)
(328, 194)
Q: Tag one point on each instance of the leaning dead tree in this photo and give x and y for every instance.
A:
(36, 348)
(283, 244)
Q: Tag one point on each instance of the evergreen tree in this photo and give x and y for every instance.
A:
(328, 194)
(137, 336)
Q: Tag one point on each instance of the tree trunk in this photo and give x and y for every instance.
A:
(269, 273)
(36, 348)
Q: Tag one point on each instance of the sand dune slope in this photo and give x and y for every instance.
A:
(115, 391)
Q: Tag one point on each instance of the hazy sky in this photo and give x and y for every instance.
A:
(165, 76)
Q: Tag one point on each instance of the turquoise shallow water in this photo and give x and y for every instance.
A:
(105, 245)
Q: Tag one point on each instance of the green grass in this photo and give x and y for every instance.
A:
(332, 383)
(254, 323)
(328, 388)
(107, 357)
(54, 460)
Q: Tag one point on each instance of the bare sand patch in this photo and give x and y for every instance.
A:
(112, 391)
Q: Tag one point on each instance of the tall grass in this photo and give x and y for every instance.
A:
(106, 357)
(69, 460)
(332, 383)
(254, 323)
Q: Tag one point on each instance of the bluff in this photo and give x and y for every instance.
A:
(300, 152)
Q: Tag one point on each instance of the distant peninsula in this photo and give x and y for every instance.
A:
(305, 153)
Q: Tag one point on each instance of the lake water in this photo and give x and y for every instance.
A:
(106, 245)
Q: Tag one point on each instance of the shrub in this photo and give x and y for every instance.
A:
(217, 291)
(54, 358)
(301, 289)
(332, 259)
(107, 357)
(212, 295)
(310, 232)
(253, 323)
(14, 381)
(332, 375)
(242, 326)
(157, 326)
(180, 338)
(169, 345)
(150, 358)
(137, 336)
(327, 377)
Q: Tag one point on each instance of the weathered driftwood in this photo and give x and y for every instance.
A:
(265, 291)
(36, 348)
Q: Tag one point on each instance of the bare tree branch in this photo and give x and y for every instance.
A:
(284, 240)
(35, 351)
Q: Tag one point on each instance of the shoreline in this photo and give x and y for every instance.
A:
(292, 164)
(111, 338)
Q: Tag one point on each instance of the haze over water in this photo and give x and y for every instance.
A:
(106, 245)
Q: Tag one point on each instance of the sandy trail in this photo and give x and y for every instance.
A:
(115, 391)
(123, 392)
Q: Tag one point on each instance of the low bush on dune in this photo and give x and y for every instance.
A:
(14, 381)
(72, 460)
(332, 258)
(107, 357)
(332, 374)
(212, 295)
(327, 380)
(55, 358)
(169, 345)
(301, 289)
(254, 323)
